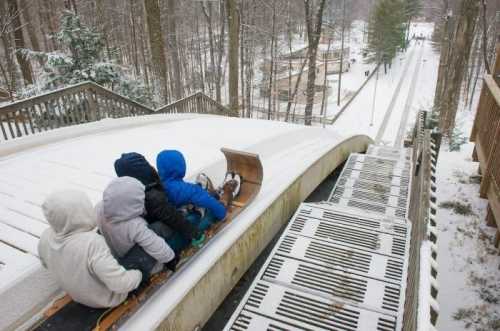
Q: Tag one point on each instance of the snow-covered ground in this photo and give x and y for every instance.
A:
(468, 275)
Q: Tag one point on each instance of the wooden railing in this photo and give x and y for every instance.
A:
(262, 113)
(196, 103)
(87, 102)
(486, 135)
(422, 215)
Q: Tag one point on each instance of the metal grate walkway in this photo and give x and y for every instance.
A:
(339, 266)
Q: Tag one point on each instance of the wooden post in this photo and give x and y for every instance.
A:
(480, 107)
(490, 167)
(490, 218)
(92, 104)
(474, 154)
(496, 67)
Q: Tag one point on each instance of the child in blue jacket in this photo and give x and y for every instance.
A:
(171, 167)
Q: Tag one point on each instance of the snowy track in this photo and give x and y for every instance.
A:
(86, 163)
(400, 93)
(409, 101)
(394, 98)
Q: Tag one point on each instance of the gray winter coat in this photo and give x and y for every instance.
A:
(119, 220)
(78, 257)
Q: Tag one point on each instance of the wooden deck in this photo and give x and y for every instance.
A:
(486, 136)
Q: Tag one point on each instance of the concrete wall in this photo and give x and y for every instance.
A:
(206, 295)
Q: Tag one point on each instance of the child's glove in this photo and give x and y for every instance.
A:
(172, 264)
(198, 242)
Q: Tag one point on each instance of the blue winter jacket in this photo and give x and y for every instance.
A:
(172, 169)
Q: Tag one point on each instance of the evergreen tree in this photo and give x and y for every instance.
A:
(457, 139)
(386, 31)
(412, 9)
(81, 61)
(433, 119)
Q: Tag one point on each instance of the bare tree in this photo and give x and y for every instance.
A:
(157, 45)
(458, 58)
(314, 21)
(24, 63)
(173, 50)
(233, 48)
(8, 72)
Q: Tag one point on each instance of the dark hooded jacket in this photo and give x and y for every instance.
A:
(172, 169)
(156, 203)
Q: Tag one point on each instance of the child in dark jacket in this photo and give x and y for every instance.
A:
(156, 202)
(171, 167)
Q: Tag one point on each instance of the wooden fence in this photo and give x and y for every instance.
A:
(422, 214)
(87, 102)
(486, 136)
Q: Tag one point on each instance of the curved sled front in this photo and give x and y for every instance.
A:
(249, 167)
(66, 314)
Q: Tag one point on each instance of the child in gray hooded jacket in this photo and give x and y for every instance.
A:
(134, 243)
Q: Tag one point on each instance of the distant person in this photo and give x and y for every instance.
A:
(134, 243)
(208, 207)
(158, 208)
(78, 257)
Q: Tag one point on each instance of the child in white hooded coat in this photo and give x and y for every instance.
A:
(78, 257)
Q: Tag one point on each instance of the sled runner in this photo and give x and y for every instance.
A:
(65, 314)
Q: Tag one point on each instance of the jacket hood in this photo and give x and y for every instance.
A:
(135, 165)
(69, 212)
(171, 165)
(123, 199)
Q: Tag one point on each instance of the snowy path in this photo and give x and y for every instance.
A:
(402, 108)
(388, 112)
(407, 87)
(409, 101)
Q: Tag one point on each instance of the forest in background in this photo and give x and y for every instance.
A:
(156, 52)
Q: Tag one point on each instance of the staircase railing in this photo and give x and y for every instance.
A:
(87, 102)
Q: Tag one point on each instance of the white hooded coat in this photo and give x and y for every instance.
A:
(78, 257)
(119, 220)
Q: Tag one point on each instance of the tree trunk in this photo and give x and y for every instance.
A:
(222, 32)
(157, 45)
(102, 25)
(313, 24)
(25, 11)
(173, 50)
(10, 72)
(459, 55)
(199, 54)
(24, 63)
(296, 88)
(325, 82)
(341, 54)
(445, 44)
(233, 29)
(135, 56)
(485, 37)
(271, 67)
(48, 8)
(207, 12)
